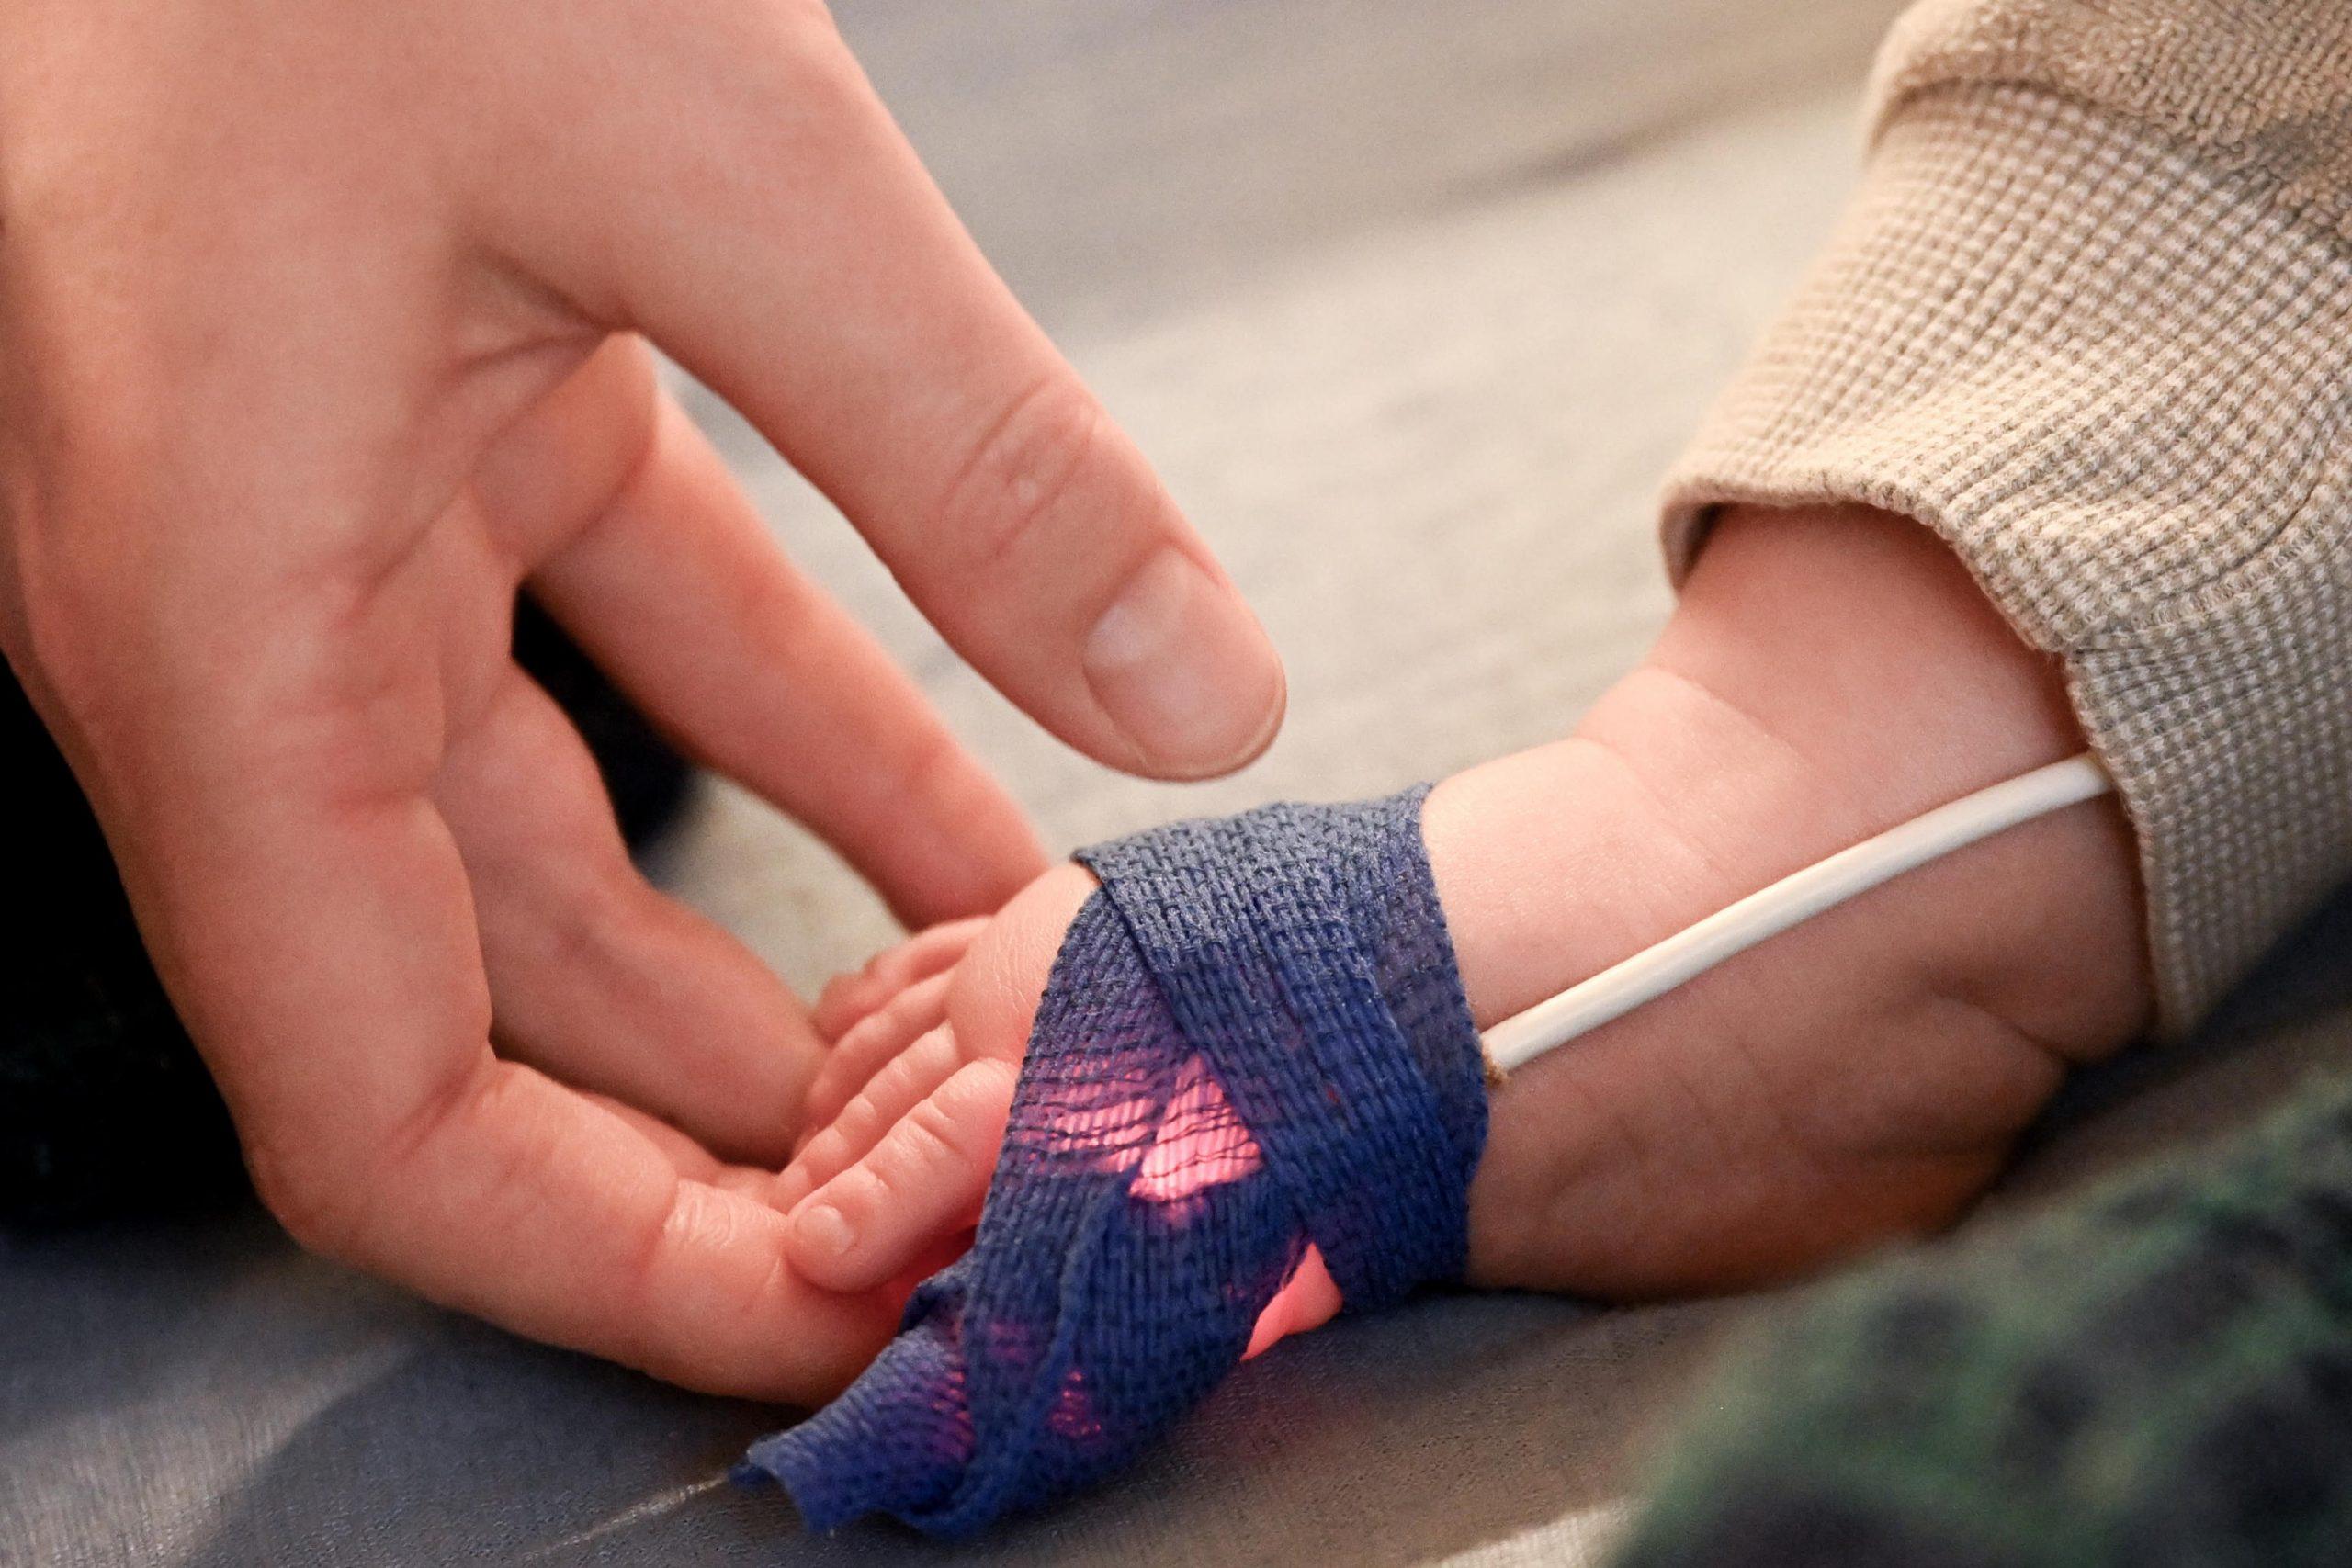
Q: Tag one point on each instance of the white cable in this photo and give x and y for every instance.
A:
(1654, 970)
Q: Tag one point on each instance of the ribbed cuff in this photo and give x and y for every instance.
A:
(2116, 382)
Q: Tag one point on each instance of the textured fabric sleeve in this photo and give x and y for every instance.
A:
(2088, 316)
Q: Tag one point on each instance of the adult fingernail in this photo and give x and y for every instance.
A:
(822, 1230)
(1184, 671)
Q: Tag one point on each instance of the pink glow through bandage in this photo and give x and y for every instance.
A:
(1253, 1040)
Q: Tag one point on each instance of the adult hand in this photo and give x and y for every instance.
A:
(316, 341)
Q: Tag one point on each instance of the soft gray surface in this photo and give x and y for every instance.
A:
(1411, 304)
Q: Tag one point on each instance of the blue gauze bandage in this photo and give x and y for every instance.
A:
(1253, 1038)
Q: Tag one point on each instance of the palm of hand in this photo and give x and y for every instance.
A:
(316, 326)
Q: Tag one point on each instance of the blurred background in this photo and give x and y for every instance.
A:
(1411, 305)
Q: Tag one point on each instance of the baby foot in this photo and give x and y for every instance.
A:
(1826, 675)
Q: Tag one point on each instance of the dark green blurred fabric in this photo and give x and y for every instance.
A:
(2160, 1374)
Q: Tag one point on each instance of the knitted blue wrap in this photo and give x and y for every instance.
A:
(1253, 1038)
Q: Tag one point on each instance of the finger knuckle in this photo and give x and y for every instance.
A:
(945, 943)
(992, 1079)
(826, 1151)
(870, 1188)
(977, 1094)
(854, 1084)
(839, 995)
(603, 416)
(865, 1115)
(854, 1126)
(312, 1206)
(934, 1133)
(861, 1044)
(928, 773)
(67, 646)
(914, 1001)
(933, 1055)
(1004, 497)
(826, 1096)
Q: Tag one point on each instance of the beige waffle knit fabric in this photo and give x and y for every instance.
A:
(2090, 316)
